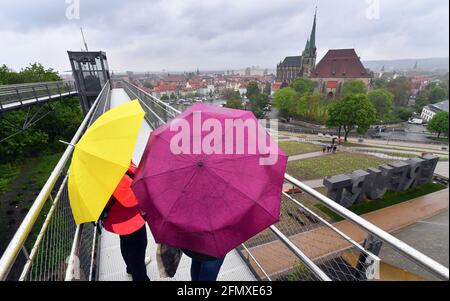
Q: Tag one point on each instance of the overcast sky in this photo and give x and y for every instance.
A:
(217, 34)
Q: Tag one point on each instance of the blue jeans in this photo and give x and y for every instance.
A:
(205, 270)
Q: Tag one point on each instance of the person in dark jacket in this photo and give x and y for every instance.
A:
(204, 267)
(122, 216)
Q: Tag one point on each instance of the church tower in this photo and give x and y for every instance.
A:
(310, 52)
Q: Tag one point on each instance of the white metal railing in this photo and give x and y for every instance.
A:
(16, 96)
(417, 257)
(47, 260)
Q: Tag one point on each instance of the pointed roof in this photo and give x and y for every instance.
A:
(311, 49)
(340, 63)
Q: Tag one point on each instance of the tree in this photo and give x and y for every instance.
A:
(303, 86)
(401, 88)
(433, 93)
(403, 113)
(354, 86)
(37, 73)
(313, 107)
(258, 103)
(164, 97)
(173, 96)
(353, 111)
(437, 94)
(267, 88)
(439, 124)
(234, 103)
(379, 83)
(383, 101)
(252, 90)
(230, 94)
(148, 85)
(33, 73)
(284, 100)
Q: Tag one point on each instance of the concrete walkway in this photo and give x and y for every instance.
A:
(307, 156)
(323, 241)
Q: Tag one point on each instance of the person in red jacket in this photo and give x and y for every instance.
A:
(122, 216)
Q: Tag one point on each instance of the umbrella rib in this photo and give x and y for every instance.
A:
(164, 222)
(167, 171)
(101, 123)
(240, 192)
(241, 172)
(103, 159)
(187, 156)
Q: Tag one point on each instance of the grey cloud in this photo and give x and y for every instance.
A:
(181, 35)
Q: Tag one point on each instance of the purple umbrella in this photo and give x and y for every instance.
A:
(206, 182)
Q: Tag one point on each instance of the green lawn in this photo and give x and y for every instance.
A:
(42, 169)
(331, 165)
(298, 148)
(389, 199)
(8, 173)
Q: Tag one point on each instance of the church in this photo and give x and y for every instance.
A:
(330, 74)
(294, 67)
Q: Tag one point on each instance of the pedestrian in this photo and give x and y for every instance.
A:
(324, 148)
(204, 267)
(334, 149)
(123, 217)
(328, 148)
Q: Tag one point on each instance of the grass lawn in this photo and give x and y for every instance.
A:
(321, 167)
(8, 173)
(298, 148)
(389, 199)
(42, 169)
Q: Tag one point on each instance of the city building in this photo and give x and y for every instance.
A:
(429, 111)
(337, 67)
(294, 67)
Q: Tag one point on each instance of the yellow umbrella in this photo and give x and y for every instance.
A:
(101, 158)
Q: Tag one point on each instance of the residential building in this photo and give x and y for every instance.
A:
(429, 111)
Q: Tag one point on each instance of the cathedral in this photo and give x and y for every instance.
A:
(294, 67)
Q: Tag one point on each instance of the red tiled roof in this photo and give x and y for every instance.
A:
(166, 87)
(175, 78)
(340, 63)
(277, 86)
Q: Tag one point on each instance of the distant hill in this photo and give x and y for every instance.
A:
(427, 65)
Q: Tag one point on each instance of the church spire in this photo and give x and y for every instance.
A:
(312, 39)
(310, 49)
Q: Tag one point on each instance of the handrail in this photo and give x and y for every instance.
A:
(411, 253)
(33, 84)
(311, 265)
(9, 256)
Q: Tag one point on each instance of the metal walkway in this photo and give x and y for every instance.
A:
(112, 266)
(13, 97)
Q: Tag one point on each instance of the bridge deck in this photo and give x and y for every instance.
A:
(28, 102)
(112, 266)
